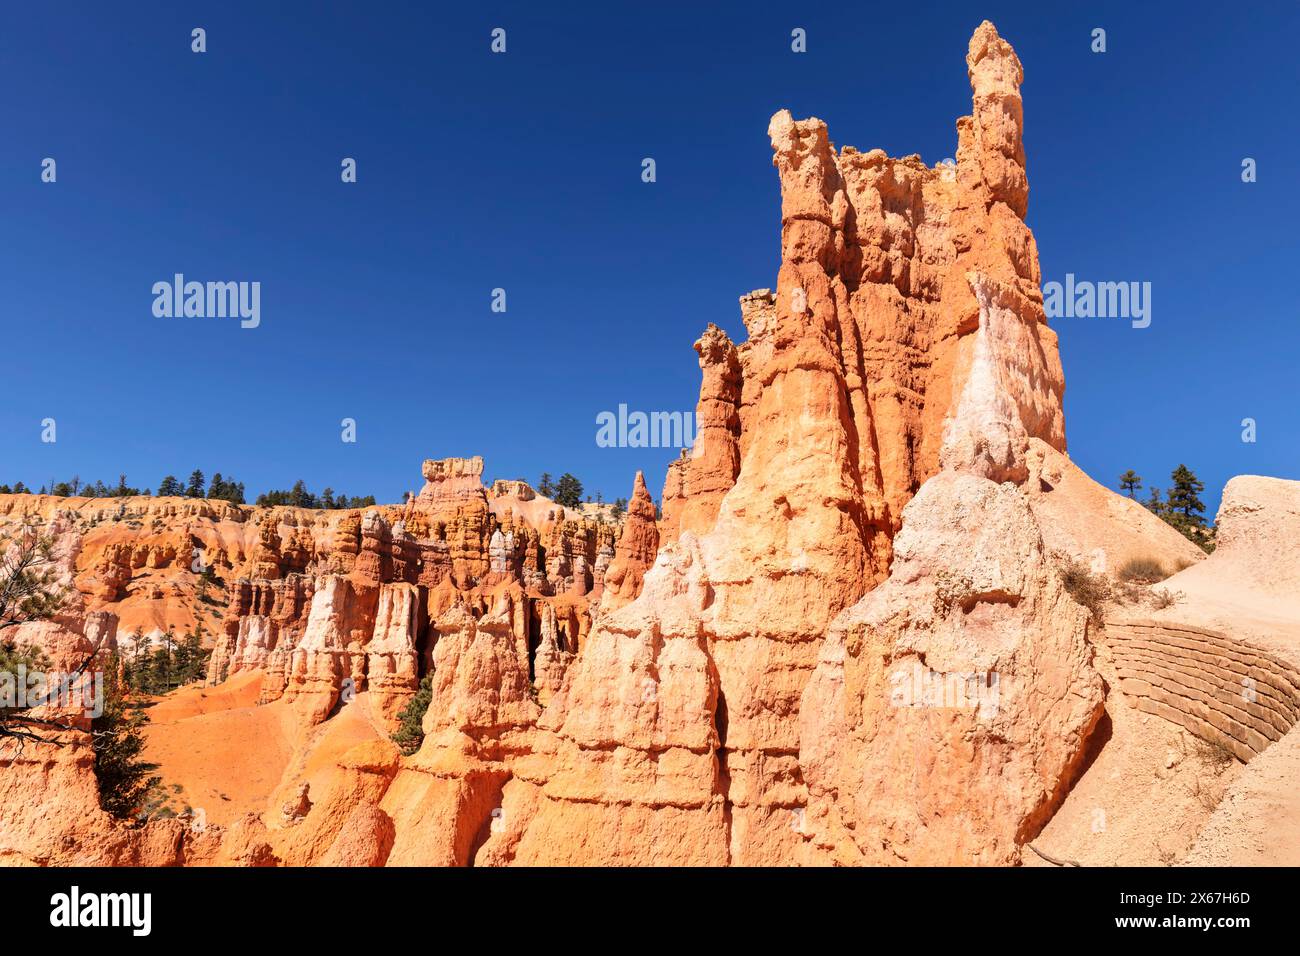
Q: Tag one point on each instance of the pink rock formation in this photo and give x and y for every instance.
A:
(341, 620)
(392, 654)
(625, 770)
(452, 480)
(696, 483)
(442, 799)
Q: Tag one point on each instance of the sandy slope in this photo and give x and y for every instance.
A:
(1159, 797)
(1144, 797)
(226, 753)
(231, 756)
(1258, 822)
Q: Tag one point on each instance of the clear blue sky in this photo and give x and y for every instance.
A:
(522, 171)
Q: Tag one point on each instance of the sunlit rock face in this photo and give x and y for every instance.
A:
(906, 339)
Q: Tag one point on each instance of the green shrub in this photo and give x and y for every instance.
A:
(126, 782)
(410, 722)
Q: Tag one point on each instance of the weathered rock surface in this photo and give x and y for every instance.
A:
(950, 707)
(624, 769)
(479, 718)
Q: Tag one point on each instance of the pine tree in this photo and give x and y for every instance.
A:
(191, 662)
(131, 663)
(124, 780)
(568, 491)
(410, 722)
(1153, 503)
(1184, 509)
(14, 655)
(1130, 481)
(195, 488)
(169, 487)
(544, 486)
(299, 496)
(163, 664)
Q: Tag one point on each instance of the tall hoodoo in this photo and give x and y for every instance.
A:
(906, 335)
(637, 547)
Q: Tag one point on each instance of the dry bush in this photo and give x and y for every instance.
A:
(1125, 592)
(1090, 590)
(1164, 599)
(1146, 570)
(1214, 754)
(1215, 757)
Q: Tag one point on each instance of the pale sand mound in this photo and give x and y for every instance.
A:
(1155, 794)
(1088, 521)
(1250, 588)
(1250, 585)
(1258, 822)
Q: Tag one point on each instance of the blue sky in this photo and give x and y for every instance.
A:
(522, 171)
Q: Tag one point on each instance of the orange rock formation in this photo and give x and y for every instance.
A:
(846, 640)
